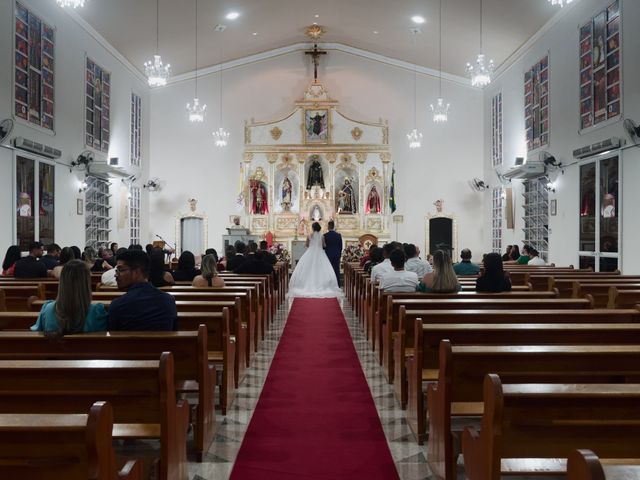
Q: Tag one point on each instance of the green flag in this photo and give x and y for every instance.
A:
(392, 191)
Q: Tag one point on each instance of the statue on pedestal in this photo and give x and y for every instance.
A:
(373, 201)
(347, 198)
(259, 201)
(315, 177)
(287, 189)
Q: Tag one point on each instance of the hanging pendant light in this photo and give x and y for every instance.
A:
(441, 110)
(480, 73)
(221, 136)
(414, 136)
(195, 110)
(560, 2)
(157, 73)
(70, 3)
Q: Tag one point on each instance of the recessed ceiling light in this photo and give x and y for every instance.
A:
(232, 15)
(255, 34)
(220, 28)
(317, 16)
(376, 32)
(417, 19)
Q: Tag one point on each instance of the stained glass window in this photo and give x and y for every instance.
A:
(136, 123)
(536, 104)
(97, 94)
(496, 130)
(34, 62)
(600, 58)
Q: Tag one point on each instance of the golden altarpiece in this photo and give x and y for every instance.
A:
(316, 164)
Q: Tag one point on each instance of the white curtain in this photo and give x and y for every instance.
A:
(192, 235)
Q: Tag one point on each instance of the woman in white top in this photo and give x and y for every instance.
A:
(535, 259)
(314, 276)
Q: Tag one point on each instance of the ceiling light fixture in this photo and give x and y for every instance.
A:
(414, 136)
(232, 15)
(157, 73)
(441, 110)
(70, 3)
(221, 136)
(196, 110)
(417, 19)
(560, 2)
(480, 73)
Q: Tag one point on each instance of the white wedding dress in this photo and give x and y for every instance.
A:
(314, 275)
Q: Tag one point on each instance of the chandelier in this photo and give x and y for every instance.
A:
(195, 110)
(441, 110)
(560, 2)
(157, 73)
(480, 73)
(70, 3)
(415, 138)
(221, 137)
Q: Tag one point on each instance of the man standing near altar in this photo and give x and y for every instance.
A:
(333, 248)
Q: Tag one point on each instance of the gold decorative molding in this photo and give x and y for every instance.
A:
(385, 135)
(356, 133)
(248, 157)
(315, 31)
(272, 157)
(335, 147)
(373, 175)
(361, 157)
(259, 175)
(385, 157)
(247, 134)
(276, 133)
(302, 157)
(286, 163)
(331, 157)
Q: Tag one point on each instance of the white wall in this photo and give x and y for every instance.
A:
(562, 43)
(185, 157)
(72, 42)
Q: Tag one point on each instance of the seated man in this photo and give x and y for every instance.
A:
(381, 268)
(398, 280)
(143, 307)
(414, 263)
(269, 257)
(465, 267)
(31, 266)
(239, 258)
(52, 257)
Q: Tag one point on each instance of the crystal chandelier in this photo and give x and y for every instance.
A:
(480, 73)
(157, 73)
(195, 110)
(71, 3)
(415, 138)
(221, 137)
(560, 2)
(441, 110)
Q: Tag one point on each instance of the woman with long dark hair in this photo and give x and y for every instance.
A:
(158, 276)
(186, 270)
(72, 310)
(10, 258)
(494, 278)
(66, 255)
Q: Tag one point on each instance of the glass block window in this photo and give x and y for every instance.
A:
(134, 214)
(497, 214)
(536, 215)
(496, 130)
(600, 59)
(97, 117)
(136, 122)
(97, 212)
(33, 68)
(536, 104)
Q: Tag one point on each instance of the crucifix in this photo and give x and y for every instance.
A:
(315, 54)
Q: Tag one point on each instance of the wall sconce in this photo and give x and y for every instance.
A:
(550, 187)
(82, 186)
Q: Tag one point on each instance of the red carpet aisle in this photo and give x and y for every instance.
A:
(315, 418)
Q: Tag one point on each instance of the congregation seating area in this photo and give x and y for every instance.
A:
(132, 386)
(515, 382)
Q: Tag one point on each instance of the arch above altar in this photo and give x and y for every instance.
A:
(317, 164)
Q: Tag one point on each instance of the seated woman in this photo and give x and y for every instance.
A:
(443, 279)
(158, 275)
(535, 258)
(494, 278)
(66, 255)
(375, 257)
(186, 270)
(209, 276)
(72, 310)
(11, 257)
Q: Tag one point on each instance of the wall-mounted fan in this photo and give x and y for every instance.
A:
(153, 184)
(633, 130)
(83, 160)
(6, 127)
(478, 185)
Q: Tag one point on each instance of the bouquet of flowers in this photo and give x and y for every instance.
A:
(352, 253)
(281, 253)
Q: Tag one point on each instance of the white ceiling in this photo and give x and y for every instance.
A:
(130, 26)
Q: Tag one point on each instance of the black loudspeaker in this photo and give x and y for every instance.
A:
(441, 235)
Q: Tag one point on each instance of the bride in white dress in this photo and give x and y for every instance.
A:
(314, 276)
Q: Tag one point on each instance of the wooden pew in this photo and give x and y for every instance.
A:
(533, 428)
(15, 296)
(62, 447)
(189, 349)
(585, 465)
(423, 359)
(141, 392)
(600, 291)
(623, 298)
(565, 285)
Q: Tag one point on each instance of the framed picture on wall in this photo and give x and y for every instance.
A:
(79, 206)
(316, 125)
(553, 207)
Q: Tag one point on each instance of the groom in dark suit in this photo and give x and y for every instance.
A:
(333, 248)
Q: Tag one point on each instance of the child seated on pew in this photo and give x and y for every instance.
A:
(209, 276)
(72, 310)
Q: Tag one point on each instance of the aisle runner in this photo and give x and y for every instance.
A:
(315, 418)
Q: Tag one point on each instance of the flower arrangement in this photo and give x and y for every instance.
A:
(281, 253)
(352, 253)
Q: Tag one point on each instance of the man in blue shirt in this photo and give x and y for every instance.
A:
(465, 267)
(143, 307)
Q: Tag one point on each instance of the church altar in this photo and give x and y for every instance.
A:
(316, 164)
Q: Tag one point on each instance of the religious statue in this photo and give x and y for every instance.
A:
(24, 205)
(316, 216)
(259, 201)
(302, 227)
(192, 206)
(315, 176)
(286, 191)
(438, 204)
(316, 124)
(373, 201)
(346, 198)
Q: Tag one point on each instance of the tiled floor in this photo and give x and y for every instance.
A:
(218, 463)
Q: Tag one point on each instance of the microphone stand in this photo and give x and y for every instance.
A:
(173, 248)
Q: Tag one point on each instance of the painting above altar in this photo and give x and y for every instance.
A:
(317, 164)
